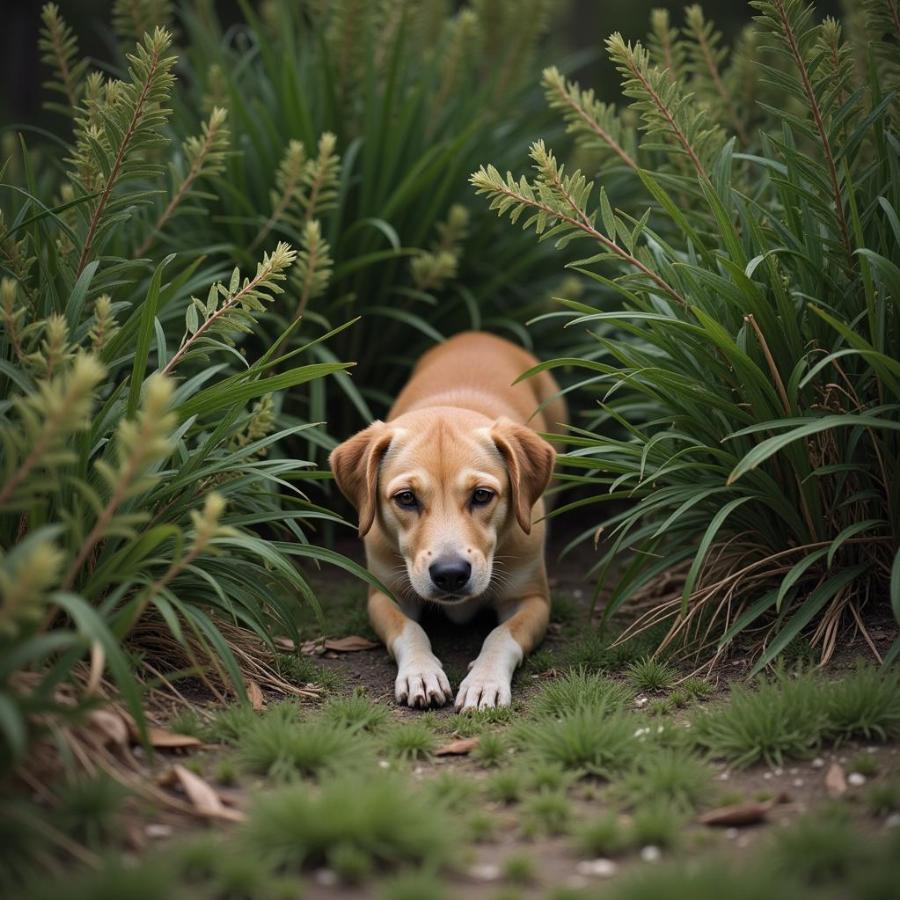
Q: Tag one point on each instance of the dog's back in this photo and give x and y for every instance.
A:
(475, 370)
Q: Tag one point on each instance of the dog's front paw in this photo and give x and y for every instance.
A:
(421, 683)
(484, 688)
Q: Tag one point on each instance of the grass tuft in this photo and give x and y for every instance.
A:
(657, 823)
(547, 813)
(284, 749)
(491, 750)
(674, 775)
(864, 705)
(579, 689)
(506, 786)
(356, 712)
(411, 741)
(377, 814)
(650, 675)
(519, 868)
(603, 836)
(586, 740)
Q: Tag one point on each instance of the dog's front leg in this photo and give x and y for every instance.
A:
(489, 682)
(420, 676)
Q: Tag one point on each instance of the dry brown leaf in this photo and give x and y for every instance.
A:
(749, 813)
(109, 726)
(163, 739)
(204, 797)
(284, 643)
(835, 782)
(350, 644)
(458, 748)
(254, 692)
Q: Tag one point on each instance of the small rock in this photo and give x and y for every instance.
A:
(383, 764)
(767, 775)
(158, 831)
(818, 763)
(485, 872)
(871, 749)
(577, 593)
(326, 877)
(857, 779)
(641, 702)
(778, 771)
(798, 782)
(650, 853)
(597, 868)
(892, 821)
(724, 776)
(732, 834)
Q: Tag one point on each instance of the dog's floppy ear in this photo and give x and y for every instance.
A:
(529, 460)
(355, 467)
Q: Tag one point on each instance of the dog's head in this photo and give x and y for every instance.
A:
(443, 490)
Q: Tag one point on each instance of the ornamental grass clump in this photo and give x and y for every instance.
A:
(742, 235)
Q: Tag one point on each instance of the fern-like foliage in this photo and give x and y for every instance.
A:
(204, 157)
(667, 111)
(312, 274)
(595, 125)
(132, 19)
(232, 309)
(59, 48)
(119, 150)
(431, 270)
(666, 50)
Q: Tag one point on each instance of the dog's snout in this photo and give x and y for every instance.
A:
(450, 574)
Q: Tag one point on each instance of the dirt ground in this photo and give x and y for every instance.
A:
(801, 786)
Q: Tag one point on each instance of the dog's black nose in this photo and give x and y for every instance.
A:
(450, 574)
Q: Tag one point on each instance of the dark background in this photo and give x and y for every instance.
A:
(583, 27)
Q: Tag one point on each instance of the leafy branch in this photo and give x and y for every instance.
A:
(239, 304)
(556, 198)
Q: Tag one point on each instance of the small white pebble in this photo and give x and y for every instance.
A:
(724, 776)
(650, 853)
(818, 762)
(640, 732)
(871, 749)
(857, 779)
(660, 729)
(892, 821)
(767, 775)
(485, 872)
(597, 868)
(641, 702)
(326, 877)
(842, 760)
(779, 771)
(732, 833)
(158, 831)
(383, 764)
(577, 593)
(798, 782)
(418, 770)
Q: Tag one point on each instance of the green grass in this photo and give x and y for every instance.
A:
(779, 719)
(601, 836)
(650, 675)
(678, 777)
(864, 705)
(588, 740)
(820, 850)
(476, 721)
(578, 689)
(356, 712)
(89, 808)
(519, 868)
(421, 885)
(492, 749)
(410, 741)
(506, 786)
(377, 813)
(546, 813)
(883, 798)
(657, 823)
(454, 791)
(283, 749)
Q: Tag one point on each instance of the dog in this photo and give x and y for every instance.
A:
(448, 491)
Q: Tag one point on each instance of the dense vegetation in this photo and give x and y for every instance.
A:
(745, 328)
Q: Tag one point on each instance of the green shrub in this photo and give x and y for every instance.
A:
(864, 705)
(140, 447)
(744, 323)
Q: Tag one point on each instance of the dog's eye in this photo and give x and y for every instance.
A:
(406, 499)
(482, 496)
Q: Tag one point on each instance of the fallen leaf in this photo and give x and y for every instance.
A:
(204, 797)
(284, 643)
(835, 782)
(312, 648)
(164, 739)
(458, 748)
(749, 813)
(254, 692)
(112, 728)
(350, 644)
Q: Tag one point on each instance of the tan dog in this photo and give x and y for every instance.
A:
(447, 491)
